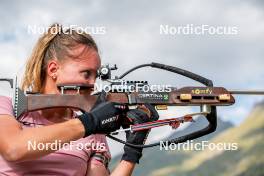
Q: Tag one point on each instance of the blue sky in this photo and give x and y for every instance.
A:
(132, 36)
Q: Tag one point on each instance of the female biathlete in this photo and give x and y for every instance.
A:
(65, 57)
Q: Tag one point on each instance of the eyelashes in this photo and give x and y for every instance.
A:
(86, 74)
(89, 75)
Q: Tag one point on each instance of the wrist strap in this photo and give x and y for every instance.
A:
(101, 158)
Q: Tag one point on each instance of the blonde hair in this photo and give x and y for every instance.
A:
(55, 43)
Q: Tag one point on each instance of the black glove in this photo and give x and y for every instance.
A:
(137, 116)
(100, 99)
(103, 118)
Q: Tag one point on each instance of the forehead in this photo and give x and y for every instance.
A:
(84, 57)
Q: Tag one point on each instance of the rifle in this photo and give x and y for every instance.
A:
(124, 92)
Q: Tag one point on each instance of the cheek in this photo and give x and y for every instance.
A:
(68, 74)
(71, 75)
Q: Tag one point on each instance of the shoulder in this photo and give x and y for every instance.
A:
(4, 99)
(6, 107)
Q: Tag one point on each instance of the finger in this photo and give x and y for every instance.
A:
(126, 122)
(120, 106)
(144, 109)
(101, 97)
(154, 112)
(136, 116)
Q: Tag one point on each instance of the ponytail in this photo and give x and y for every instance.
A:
(33, 76)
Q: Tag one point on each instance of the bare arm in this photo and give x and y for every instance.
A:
(14, 139)
(124, 168)
(95, 169)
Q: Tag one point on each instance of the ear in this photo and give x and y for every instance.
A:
(52, 68)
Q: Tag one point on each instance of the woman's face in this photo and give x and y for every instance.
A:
(82, 69)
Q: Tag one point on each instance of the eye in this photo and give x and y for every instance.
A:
(89, 74)
(86, 74)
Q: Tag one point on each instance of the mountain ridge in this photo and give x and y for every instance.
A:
(248, 159)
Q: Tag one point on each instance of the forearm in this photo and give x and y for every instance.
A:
(124, 168)
(65, 132)
(96, 169)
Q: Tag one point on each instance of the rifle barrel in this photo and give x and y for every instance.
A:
(247, 92)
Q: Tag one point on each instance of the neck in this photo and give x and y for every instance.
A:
(50, 87)
(55, 114)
